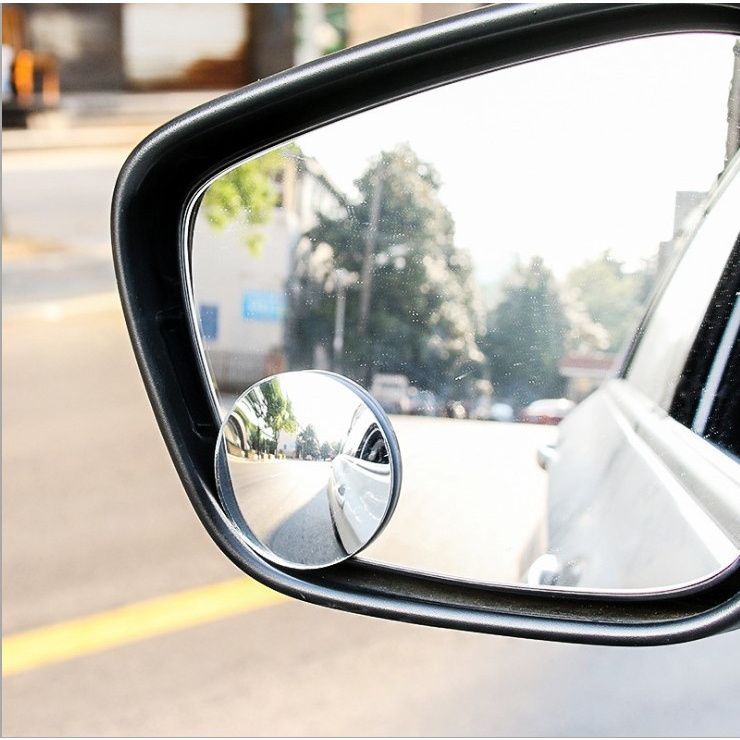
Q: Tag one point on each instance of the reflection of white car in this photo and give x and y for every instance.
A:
(358, 498)
(360, 482)
(547, 411)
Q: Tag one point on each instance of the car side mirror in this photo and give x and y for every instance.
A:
(335, 465)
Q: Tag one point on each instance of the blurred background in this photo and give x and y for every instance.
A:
(120, 617)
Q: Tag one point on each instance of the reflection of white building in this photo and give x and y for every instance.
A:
(241, 297)
(585, 371)
(286, 444)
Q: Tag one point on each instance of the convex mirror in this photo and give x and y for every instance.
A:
(307, 468)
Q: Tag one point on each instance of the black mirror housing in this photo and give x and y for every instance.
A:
(157, 186)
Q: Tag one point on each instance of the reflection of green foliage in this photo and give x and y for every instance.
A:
(527, 335)
(612, 296)
(273, 412)
(278, 410)
(255, 438)
(249, 192)
(423, 307)
(307, 443)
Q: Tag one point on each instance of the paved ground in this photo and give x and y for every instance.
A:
(95, 520)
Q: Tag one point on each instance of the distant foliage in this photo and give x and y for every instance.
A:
(307, 443)
(612, 296)
(248, 194)
(527, 335)
(424, 314)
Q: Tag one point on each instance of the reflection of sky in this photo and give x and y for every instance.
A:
(563, 157)
(321, 401)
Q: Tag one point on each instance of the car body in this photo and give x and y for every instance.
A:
(359, 482)
(660, 442)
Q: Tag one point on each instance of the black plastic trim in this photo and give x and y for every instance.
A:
(167, 170)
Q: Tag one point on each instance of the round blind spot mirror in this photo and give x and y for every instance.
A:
(308, 468)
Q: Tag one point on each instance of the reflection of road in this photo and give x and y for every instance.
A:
(472, 500)
(285, 504)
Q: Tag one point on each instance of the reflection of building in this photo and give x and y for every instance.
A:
(286, 444)
(585, 371)
(686, 203)
(240, 296)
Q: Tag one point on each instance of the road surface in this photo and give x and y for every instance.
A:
(286, 506)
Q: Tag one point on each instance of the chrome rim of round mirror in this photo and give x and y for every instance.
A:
(308, 468)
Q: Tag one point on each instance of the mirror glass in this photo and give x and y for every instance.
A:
(477, 257)
(306, 469)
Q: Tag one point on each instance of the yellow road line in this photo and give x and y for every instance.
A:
(66, 640)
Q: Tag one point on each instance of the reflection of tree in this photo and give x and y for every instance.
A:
(527, 336)
(265, 412)
(307, 443)
(278, 410)
(612, 296)
(421, 316)
(248, 193)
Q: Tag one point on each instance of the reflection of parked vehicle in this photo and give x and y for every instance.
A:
(422, 403)
(502, 412)
(660, 443)
(391, 392)
(488, 411)
(546, 411)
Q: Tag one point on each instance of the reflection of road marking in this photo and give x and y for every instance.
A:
(98, 632)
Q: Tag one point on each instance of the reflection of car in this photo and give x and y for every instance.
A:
(358, 498)
(391, 392)
(502, 412)
(360, 482)
(660, 443)
(422, 403)
(488, 411)
(546, 411)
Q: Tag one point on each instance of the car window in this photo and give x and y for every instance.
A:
(688, 312)
(718, 414)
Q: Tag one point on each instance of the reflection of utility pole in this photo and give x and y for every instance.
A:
(371, 239)
(343, 279)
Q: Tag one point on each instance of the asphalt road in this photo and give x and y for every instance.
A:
(94, 519)
(285, 504)
(56, 223)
